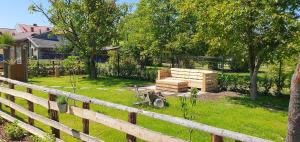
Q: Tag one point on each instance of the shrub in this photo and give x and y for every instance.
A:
(62, 100)
(127, 68)
(36, 70)
(2, 120)
(48, 138)
(13, 131)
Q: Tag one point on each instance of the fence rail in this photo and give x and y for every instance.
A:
(130, 128)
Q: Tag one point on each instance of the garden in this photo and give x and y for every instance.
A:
(243, 52)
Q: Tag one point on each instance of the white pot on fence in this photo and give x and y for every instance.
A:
(63, 108)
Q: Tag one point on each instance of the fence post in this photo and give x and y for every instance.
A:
(30, 107)
(85, 122)
(53, 114)
(12, 98)
(131, 119)
(216, 138)
(0, 103)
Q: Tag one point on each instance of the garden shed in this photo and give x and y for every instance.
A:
(15, 60)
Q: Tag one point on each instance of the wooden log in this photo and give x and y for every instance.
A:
(131, 119)
(27, 127)
(30, 107)
(53, 114)
(86, 122)
(12, 98)
(216, 138)
(163, 117)
(134, 130)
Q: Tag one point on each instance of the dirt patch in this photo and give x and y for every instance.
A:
(217, 96)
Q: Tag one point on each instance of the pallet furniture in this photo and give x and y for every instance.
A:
(172, 85)
(206, 80)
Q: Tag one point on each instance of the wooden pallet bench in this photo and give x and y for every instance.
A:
(206, 80)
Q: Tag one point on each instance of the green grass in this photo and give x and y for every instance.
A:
(265, 118)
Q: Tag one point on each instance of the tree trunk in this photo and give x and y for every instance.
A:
(294, 108)
(253, 84)
(93, 69)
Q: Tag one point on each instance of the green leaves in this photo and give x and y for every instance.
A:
(6, 40)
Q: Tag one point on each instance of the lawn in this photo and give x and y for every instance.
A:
(265, 118)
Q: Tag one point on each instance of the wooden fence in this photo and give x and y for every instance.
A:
(132, 130)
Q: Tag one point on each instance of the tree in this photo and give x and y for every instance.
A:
(161, 29)
(87, 25)
(6, 40)
(254, 27)
(294, 108)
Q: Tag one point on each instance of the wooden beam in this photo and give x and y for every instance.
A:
(215, 138)
(86, 122)
(12, 98)
(52, 123)
(30, 107)
(53, 114)
(163, 117)
(132, 120)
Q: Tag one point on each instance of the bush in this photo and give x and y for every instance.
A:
(127, 68)
(2, 120)
(13, 131)
(48, 138)
(36, 70)
(233, 82)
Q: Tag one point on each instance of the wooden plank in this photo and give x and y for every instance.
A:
(120, 125)
(215, 138)
(30, 107)
(132, 120)
(27, 127)
(167, 118)
(53, 114)
(50, 122)
(12, 98)
(86, 122)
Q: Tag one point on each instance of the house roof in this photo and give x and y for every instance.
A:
(23, 28)
(45, 40)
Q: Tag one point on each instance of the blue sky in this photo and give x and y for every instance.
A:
(13, 12)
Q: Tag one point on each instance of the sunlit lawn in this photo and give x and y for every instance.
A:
(265, 118)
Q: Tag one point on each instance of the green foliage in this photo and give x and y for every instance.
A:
(127, 68)
(2, 120)
(48, 138)
(62, 100)
(37, 70)
(13, 131)
(6, 40)
(72, 65)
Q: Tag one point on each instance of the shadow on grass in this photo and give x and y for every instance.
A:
(115, 81)
(273, 103)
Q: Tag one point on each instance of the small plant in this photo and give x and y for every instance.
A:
(2, 120)
(62, 103)
(48, 138)
(13, 131)
(62, 100)
(188, 111)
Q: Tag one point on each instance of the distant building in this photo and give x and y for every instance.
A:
(38, 39)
